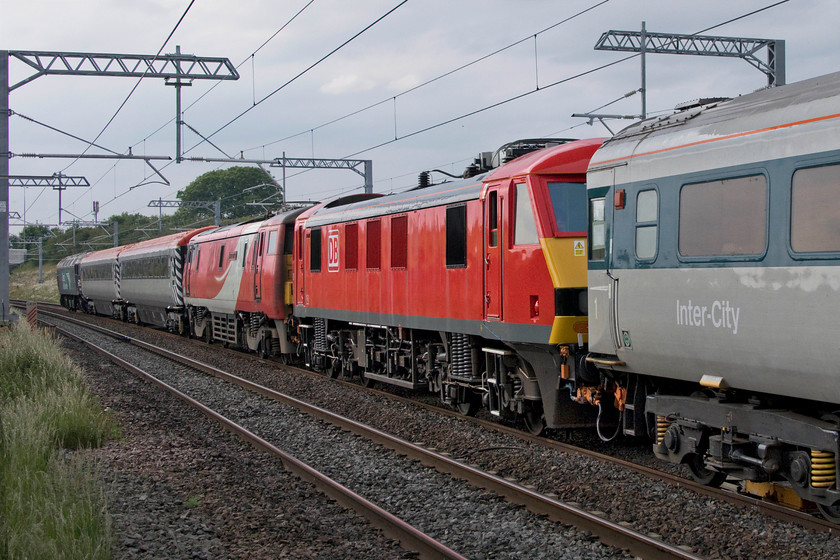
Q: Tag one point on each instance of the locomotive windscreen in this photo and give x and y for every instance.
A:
(569, 203)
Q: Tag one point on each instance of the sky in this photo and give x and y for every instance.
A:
(339, 79)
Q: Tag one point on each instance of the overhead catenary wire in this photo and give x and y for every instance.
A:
(435, 79)
(310, 67)
(92, 143)
(136, 85)
(215, 84)
(322, 59)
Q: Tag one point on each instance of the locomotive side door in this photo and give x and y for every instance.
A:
(493, 264)
(257, 265)
(300, 270)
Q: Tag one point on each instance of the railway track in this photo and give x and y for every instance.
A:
(729, 493)
(610, 533)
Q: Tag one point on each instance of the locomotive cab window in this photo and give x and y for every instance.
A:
(597, 230)
(727, 217)
(493, 214)
(815, 211)
(315, 250)
(647, 215)
(568, 201)
(272, 242)
(456, 236)
(289, 239)
(524, 227)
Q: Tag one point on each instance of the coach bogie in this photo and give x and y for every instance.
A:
(727, 436)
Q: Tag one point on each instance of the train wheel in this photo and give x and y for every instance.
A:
(367, 381)
(534, 417)
(701, 474)
(208, 334)
(262, 351)
(469, 402)
(831, 513)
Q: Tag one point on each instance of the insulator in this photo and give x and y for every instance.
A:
(423, 180)
(823, 469)
(662, 426)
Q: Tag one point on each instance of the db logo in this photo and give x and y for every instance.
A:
(332, 251)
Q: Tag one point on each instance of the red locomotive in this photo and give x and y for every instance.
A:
(472, 288)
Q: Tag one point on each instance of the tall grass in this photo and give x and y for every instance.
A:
(50, 506)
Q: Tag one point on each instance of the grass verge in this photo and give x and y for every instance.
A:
(50, 505)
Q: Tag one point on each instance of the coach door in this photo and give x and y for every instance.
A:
(493, 265)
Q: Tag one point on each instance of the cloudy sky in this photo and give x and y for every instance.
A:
(440, 125)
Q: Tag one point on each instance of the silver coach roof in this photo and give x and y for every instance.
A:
(702, 137)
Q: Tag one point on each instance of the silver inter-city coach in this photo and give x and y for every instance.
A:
(714, 285)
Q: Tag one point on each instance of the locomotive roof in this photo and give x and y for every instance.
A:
(287, 217)
(436, 195)
(760, 124)
(251, 226)
(567, 158)
(224, 232)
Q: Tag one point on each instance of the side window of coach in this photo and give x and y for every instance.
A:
(647, 215)
(727, 217)
(814, 212)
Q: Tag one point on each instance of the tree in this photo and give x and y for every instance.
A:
(33, 231)
(233, 186)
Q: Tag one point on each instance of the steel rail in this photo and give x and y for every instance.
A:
(608, 532)
(408, 536)
(746, 501)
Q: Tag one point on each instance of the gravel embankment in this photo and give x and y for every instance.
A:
(475, 523)
(711, 529)
(179, 486)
